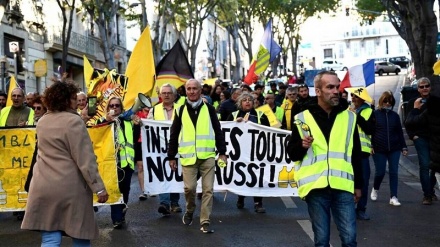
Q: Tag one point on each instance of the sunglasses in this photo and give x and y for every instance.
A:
(425, 86)
(38, 108)
(114, 105)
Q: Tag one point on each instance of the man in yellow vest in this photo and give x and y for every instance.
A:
(18, 114)
(278, 111)
(325, 144)
(365, 121)
(169, 202)
(291, 95)
(194, 136)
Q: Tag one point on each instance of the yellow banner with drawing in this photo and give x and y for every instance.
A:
(17, 146)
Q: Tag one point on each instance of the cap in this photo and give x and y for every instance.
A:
(360, 92)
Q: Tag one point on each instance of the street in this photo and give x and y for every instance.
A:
(286, 222)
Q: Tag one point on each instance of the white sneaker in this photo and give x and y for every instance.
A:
(373, 195)
(394, 201)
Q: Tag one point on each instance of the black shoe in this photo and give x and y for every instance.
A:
(361, 215)
(176, 209)
(20, 215)
(187, 218)
(95, 209)
(118, 224)
(427, 200)
(143, 197)
(199, 196)
(206, 229)
(259, 208)
(164, 210)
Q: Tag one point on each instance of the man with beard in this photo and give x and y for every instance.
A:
(303, 98)
(326, 144)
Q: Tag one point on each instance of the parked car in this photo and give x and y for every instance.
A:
(331, 64)
(402, 61)
(381, 67)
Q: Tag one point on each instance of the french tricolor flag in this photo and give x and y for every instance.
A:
(359, 76)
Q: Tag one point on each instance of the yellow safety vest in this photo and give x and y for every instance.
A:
(327, 164)
(279, 113)
(159, 113)
(287, 107)
(199, 142)
(126, 150)
(259, 114)
(365, 139)
(4, 114)
(181, 101)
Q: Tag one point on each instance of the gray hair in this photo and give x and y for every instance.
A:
(242, 97)
(173, 89)
(423, 79)
(199, 84)
(81, 93)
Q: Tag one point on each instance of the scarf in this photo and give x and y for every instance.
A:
(195, 104)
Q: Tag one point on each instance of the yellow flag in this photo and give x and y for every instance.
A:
(436, 68)
(140, 69)
(12, 86)
(88, 70)
(270, 115)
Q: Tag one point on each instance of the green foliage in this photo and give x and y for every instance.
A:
(369, 10)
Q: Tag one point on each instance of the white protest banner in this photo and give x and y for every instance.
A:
(258, 164)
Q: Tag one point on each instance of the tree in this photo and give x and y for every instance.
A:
(188, 21)
(66, 7)
(104, 14)
(416, 22)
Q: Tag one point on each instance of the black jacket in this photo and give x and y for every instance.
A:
(325, 122)
(227, 107)
(430, 120)
(176, 127)
(414, 130)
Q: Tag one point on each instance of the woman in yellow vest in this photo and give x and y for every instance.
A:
(365, 124)
(125, 156)
(246, 112)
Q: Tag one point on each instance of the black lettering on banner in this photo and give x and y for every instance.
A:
(251, 170)
(20, 160)
(14, 142)
(235, 143)
(165, 133)
(173, 175)
(225, 131)
(261, 146)
(286, 155)
(238, 169)
(155, 169)
(253, 132)
(270, 143)
(226, 177)
(155, 139)
(272, 176)
(25, 143)
(3, 141)
(261, 177)
(279, 159)
(148, 141)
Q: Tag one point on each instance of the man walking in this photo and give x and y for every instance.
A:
(194, 136)
(326, 143)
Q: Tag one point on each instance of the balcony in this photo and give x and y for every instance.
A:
(78, 44)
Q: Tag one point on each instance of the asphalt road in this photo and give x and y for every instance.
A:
(286, 222)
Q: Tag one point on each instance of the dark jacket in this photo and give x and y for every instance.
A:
(193, 113)
(325, 122)
(414, 130)
(227, 107)
(388, 134)
(430, 120)
(252, 117)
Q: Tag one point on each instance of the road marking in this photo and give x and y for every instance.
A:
(306, 225)
(413, 184)
(288, 202)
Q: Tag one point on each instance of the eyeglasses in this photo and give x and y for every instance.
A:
(425, 86)
(114, 105)
(166, 93)
(38, 108)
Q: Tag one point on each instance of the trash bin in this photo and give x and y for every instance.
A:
(407, 93)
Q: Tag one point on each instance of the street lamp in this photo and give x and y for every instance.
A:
(144, 12)
(3, 61)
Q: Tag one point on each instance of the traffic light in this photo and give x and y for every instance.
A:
(347, 11)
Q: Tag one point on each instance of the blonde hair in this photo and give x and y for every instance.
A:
(112, 98)
(387, 96)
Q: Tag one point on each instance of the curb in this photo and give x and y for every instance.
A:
(409, 166)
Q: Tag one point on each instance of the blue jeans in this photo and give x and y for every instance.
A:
(427, 178)
(380, 162)
(362, 203)
(340, 203)
(169, 199)
(124, 181)
(53, 239)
